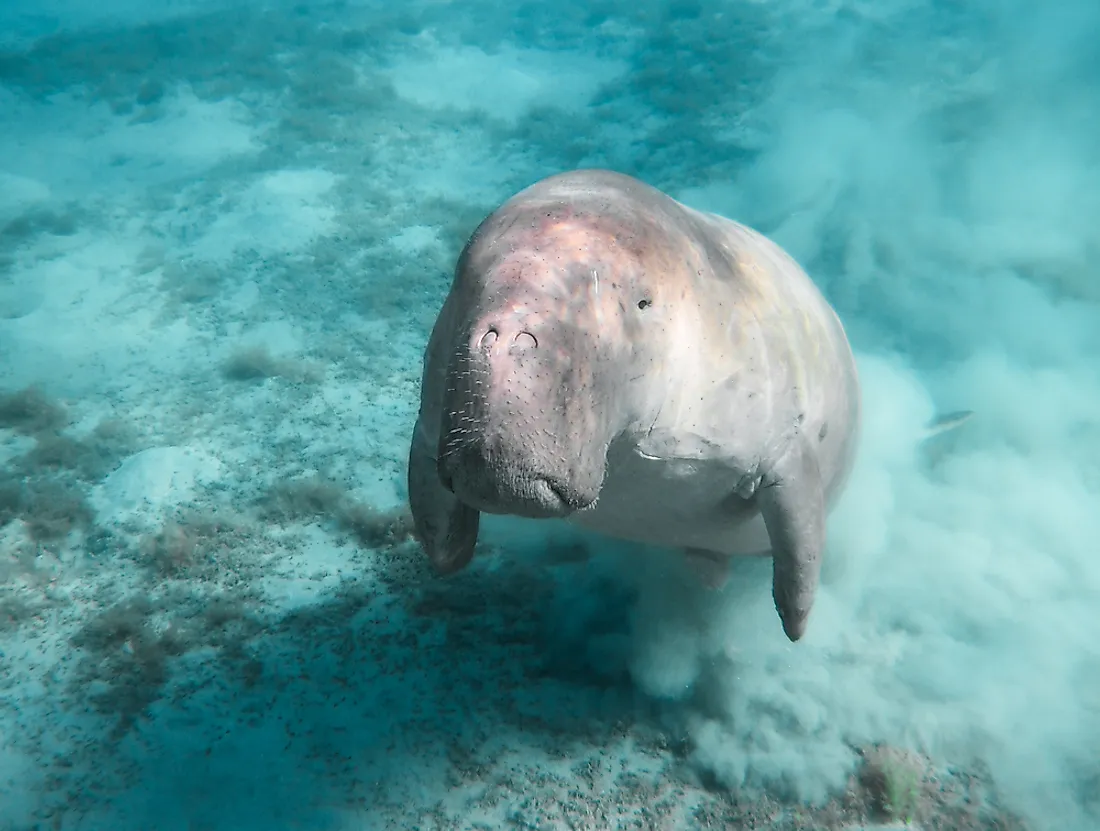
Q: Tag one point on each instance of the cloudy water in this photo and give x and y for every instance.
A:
(226, 230)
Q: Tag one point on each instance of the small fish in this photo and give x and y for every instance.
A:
(933, 447)
(946, 422)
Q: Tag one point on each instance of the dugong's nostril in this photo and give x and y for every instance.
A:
(488, 339)
(521, 341)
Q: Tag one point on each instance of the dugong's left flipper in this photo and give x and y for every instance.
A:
(792, 501)
(445, 527)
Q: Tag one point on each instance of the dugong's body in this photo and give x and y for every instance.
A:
(613, 357)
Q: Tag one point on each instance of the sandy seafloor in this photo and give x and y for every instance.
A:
(223, 238)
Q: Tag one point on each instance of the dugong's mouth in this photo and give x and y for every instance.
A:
(533, 496)
(536, 498)
(550, 492)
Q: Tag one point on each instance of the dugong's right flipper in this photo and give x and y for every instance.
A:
(791, 499)
(445, 527)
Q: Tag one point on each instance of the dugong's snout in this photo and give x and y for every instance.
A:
(518, 435)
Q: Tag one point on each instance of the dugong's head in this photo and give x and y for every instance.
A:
(553, 342)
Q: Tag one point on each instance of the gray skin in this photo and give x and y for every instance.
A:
(610, 356)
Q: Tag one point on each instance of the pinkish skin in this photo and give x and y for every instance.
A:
(609, 356)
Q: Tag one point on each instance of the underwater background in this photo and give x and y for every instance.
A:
(225, 231)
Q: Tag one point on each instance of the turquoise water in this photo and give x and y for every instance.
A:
(225, 232)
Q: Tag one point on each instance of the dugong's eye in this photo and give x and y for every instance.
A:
(645, 303)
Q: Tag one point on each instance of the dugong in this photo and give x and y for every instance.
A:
(610, 356)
